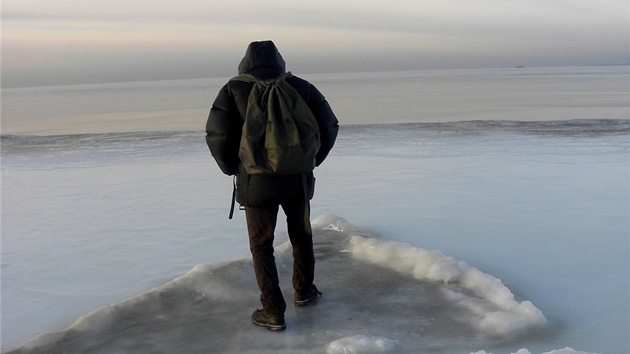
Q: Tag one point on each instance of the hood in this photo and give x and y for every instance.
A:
(264, 57)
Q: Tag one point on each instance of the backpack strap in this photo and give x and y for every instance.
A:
(252, 78)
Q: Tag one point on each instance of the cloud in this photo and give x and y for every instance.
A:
(72, 41)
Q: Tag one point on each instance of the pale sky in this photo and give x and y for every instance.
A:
(56, 42)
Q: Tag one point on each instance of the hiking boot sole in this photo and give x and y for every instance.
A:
(270, 327)
(308, 301)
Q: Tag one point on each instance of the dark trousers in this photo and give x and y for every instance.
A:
(261, 223)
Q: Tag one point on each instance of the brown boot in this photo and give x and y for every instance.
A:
(304, 300)
(271, 323)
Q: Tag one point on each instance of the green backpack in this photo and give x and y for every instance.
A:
(280, 132)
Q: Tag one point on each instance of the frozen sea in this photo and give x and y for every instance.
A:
(461, 211)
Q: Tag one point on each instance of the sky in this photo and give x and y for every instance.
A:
(60, 42)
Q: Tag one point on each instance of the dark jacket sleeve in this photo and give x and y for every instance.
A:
(223, 132)
(327, 121)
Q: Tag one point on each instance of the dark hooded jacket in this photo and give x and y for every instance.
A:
(225, 123)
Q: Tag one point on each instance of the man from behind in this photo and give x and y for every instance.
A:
(262, 194)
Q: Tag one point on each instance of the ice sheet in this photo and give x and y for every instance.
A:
(91, 220)
(378, 295)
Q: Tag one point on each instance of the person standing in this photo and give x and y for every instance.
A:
(263, 195)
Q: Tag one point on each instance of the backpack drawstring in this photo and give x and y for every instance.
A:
(233, 198)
